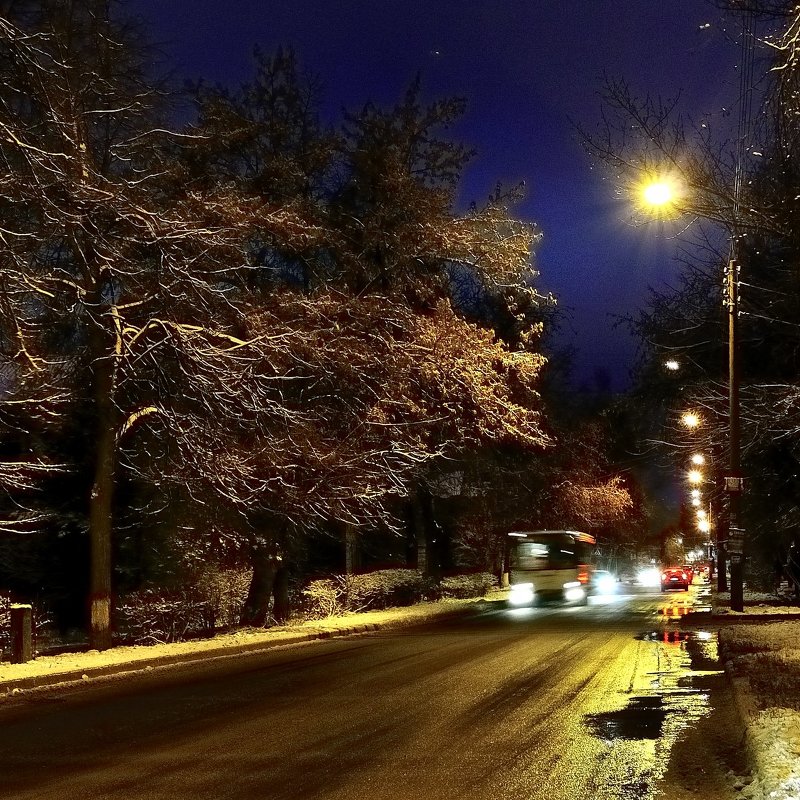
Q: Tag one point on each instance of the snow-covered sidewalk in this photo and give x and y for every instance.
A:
(47, 670)
(762, 658)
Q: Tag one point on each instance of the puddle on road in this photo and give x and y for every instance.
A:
(678, 695)
(642, 718)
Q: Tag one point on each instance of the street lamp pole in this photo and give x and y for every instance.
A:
(733, 481)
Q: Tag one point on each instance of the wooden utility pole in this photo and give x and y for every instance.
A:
(733, 480)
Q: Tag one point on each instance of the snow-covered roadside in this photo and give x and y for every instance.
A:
(134, 657)
(763, 661)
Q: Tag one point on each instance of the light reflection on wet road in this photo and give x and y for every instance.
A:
(551, 702)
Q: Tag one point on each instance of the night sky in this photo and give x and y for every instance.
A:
(526, 67)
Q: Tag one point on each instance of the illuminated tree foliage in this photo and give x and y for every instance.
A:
(252, 315)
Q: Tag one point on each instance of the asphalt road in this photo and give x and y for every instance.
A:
(551, 702)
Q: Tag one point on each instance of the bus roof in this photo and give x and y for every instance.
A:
(579, 536)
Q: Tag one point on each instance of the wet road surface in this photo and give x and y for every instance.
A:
(549, 702)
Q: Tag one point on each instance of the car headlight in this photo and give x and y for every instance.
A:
(648, 577)
(606, 585)
(521, 594)
(573, 590)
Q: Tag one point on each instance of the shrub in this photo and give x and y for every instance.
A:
(386, 588)
(226, 592)
(157, 615)
(465, 586)
(372, 590)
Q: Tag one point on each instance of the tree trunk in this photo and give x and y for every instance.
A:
(421, 535)
(280, 609)
(425, 527)
(101, 500)
(265, 567)
(350, 549)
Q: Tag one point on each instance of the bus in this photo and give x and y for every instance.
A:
(550, 565)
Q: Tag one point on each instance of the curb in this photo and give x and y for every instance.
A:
(81, 675)
(77, 675)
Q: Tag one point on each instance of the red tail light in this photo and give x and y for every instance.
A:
(583, 573)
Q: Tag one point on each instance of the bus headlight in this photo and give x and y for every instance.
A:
(573, 590)
(521, 594)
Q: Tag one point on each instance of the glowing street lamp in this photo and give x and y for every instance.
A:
(698, 459)
(703, 525)
(695, 494)
(659, 192)
(694, 476)
(690, 419)
(696, 501)
(701, 513)
(672, 365)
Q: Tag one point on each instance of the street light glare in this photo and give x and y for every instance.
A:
(698, 459)
(695, 476)
(658, 193)
(703, 525)
(690, 419)
(672, 365)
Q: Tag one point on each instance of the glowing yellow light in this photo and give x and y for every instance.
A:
(704, 526)
(695, 501)
(695, 476)
(690, 419)
(701, 513)
(696, 494)
(698, 459)
(672, 365)
(658, 193)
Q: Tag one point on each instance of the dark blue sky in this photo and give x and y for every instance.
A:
(526, 68)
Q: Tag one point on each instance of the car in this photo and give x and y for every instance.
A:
(648, 577)
(689, 570)
(674, 578)
(604, 582)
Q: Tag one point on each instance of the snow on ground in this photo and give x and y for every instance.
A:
(246, 639)
(763, 659)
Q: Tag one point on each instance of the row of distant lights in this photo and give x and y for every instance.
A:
(663, 192)
(691, 420)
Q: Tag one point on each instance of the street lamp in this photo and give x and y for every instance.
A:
(690, 419)
(694, 476)
(672, 365)
(698, 459)
(659, 194)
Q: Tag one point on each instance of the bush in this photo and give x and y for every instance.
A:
(386, 588)
(372, 590)
(226, 592)
(157, 615)
(466, 586)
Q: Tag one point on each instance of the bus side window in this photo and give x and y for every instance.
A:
(531, 555)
